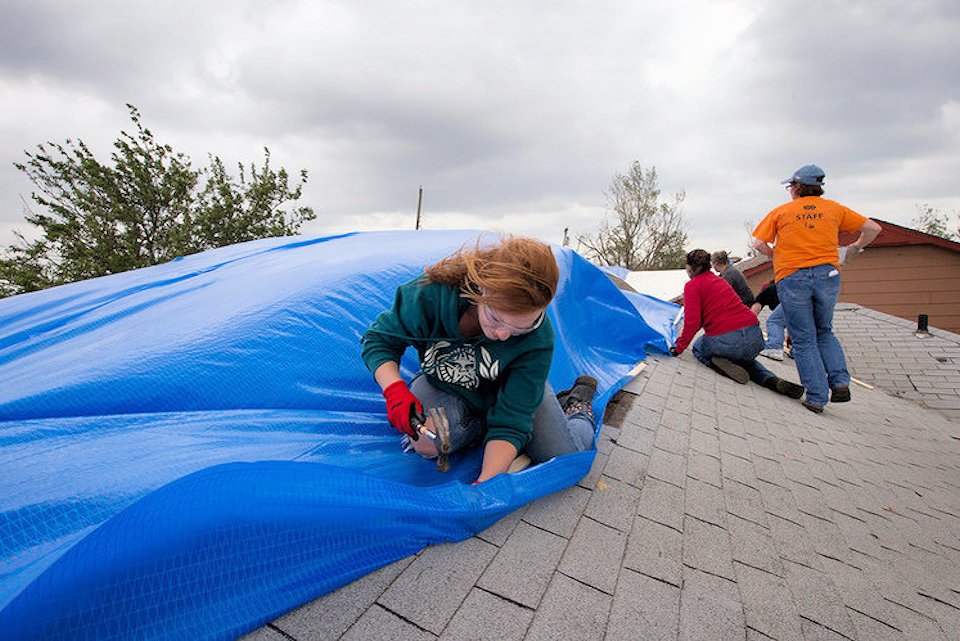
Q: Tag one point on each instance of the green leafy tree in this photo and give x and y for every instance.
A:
(643, 233)
(146, 206)
(933, 221)
(236, 209)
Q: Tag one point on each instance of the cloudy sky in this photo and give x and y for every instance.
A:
(512, 115)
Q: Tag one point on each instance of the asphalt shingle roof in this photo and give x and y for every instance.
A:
(713, 511)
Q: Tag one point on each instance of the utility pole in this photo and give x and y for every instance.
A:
(419, 205)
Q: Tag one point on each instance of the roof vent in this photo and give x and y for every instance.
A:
(923, 329)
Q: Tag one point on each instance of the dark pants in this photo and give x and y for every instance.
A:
(740, 346)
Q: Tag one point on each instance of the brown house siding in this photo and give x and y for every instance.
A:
(907, 281)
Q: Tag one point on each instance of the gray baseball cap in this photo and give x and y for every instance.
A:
(806, 175)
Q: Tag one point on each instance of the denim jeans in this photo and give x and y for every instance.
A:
(808, 297)
(554, 433)
(775, 335)
(740, 346)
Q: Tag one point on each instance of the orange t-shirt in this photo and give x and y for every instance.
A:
(805, 231)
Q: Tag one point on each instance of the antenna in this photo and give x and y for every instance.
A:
(419, 205)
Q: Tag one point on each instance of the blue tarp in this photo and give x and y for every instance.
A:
(192, 449)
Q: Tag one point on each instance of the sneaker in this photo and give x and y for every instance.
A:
(579, 398)
(730, 369)
(775, 354)
(840, 394)
(813, 407)
(781, 386)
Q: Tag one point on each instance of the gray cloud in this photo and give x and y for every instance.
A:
(513, 115)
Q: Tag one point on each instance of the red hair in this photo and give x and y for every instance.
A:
(516, 274)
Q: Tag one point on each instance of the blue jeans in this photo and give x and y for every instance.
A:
(808, 297)
(740, 346)
(554, 433)
(775, 323)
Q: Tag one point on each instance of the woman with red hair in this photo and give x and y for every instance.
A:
(478, 320)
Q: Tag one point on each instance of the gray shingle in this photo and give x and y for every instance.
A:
(809, 500)
(676, 421)
(594, 554)
(499, 532)
(266, 633)
(673, 439)
(894, 584)
(818, 599)
(486, 616)
(635, 437)
(607, 437)
(753, 545)
(744, 501)
(667, 466)
(378, 623)
(706, 547)
(870, 628)
(635, 385)
(703, 438)
(596, 471)
(705, 502)
(859, 594)
(661, 502)
(655, 550)
(644, 608)
(918, 626)
(429, 590)
(641, 416)
(522, 569)
(627, 466)
(825, 537)
(710, 608)
(735, 461)
(332, 614)
(570, 610)
(768, 604)
(778, 500)
(792, 542)
(614, 503)
(813, 631)
(559, 512)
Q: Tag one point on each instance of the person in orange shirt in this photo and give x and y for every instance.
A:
(807, 262)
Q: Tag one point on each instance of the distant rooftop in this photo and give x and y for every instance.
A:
(665, 284)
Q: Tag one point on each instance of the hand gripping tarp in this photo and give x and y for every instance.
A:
(192, 449)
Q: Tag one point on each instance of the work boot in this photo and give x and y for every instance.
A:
(813, 407)
(786, 388)
(775, 354)
(840, 394)
(730, 369)
(579, 398)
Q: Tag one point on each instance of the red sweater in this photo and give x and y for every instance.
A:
(709, 302)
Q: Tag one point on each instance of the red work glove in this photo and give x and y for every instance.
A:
(401, 405)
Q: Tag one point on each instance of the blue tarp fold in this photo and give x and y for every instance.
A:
(192, 449)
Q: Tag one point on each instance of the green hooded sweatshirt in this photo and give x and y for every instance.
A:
(502, 380)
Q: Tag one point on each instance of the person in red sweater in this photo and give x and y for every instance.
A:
(732, 338)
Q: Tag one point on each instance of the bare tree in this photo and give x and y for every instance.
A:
(932, 221)
(643, 233)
